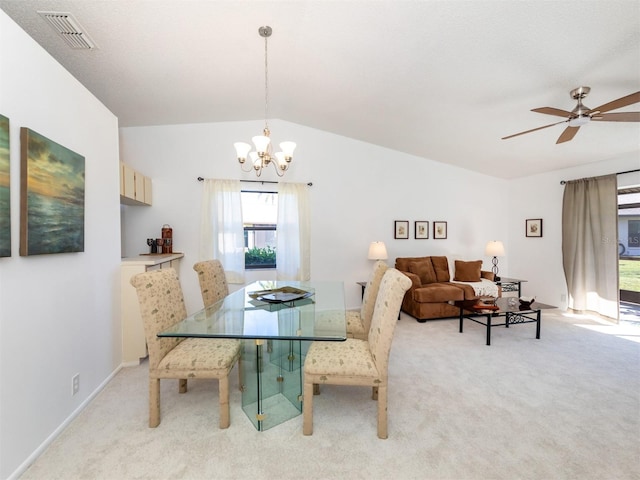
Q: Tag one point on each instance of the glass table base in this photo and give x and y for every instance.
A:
(272, 380)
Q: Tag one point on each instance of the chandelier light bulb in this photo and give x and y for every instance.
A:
(262, 143)
(242, 150)
(288, 148)
(282, 160)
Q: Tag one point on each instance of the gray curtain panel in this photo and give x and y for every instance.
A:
(590, 244)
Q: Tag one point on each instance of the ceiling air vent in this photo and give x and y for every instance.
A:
(69, 29)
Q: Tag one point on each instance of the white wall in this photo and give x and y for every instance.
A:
(58, 313)
(358, 191)
(539, 260)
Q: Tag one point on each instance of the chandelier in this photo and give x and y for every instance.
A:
(263, 154)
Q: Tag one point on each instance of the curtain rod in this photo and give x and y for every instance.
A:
(201, 179)
(563, 182)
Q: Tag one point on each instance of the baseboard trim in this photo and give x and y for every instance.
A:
(43, 446)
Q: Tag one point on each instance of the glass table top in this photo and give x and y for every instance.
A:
(242, 314)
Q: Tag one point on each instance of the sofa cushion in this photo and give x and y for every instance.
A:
(438, 292)
(402, 263)
(441, 267)
(468, 271)
(424, 270)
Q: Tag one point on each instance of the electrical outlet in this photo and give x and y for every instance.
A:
(75, 384)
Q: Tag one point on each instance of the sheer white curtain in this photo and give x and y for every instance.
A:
(293, 244)
(221, 229)
(590, 244)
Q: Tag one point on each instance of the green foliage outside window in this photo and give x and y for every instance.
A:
(260, 256)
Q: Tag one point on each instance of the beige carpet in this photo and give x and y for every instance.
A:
(566, 406)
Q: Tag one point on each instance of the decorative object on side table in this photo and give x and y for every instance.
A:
(534, 227)
(439, 230)
(525, 302)
(421, 230)
(494, 249)
(486, 304)
(401, 229)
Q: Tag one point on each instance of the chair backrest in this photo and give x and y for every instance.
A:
(371, 292)
(213, 281)
(161, 306)
(385, 317)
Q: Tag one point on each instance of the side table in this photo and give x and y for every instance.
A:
(363, 285)
(511, 285)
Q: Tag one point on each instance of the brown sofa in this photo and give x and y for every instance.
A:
(432, 292)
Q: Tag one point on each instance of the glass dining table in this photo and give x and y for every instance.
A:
(276, 321)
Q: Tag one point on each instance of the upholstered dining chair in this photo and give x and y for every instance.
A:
(162, 305)
(358, 321)
(213, 282)
(356, 361)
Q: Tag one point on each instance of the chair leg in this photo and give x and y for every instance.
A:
(374, 393)
(382, 411)
(182, 385)
(154, 402)
(223, 386)
(307, 409)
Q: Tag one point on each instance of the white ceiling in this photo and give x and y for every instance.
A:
(443, 80)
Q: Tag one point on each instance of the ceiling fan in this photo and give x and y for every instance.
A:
(581, 115)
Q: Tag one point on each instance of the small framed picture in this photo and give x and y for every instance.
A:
(421, 230)
(533, 227)
(401, 229)
(439, 230)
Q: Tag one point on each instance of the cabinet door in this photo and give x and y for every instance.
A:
(139, 186)
(129, 181)
(147, 190)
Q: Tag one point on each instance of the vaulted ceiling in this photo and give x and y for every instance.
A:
(443, 80)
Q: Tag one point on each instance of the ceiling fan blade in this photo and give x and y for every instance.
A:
(617, 117)
(568, 134)
(553, 111)
(534, 129)
(619, 103)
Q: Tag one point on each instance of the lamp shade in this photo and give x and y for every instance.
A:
(242, 149)
(377, 251)
(288, 148)
(494, 248)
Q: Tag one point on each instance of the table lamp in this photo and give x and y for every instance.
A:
(377, 251)
(495, 249)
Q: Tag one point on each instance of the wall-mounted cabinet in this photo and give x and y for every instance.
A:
(135, 188)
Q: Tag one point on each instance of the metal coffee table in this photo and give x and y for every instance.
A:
(505, 315)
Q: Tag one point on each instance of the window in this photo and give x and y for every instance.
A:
(259, 216)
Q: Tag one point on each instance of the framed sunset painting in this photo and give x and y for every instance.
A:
(5, 191)
(51, 196)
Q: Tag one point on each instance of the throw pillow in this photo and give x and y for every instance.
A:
(424, 270)
(441, 267)
(468, 271)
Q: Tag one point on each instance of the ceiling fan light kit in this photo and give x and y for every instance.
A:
(582, 115)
